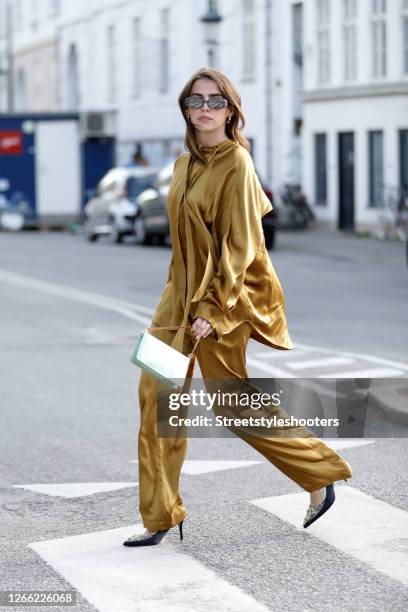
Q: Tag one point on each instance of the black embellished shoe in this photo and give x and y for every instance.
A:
(315, 512)
(156, 538)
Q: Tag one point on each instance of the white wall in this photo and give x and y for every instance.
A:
(154, 119)
(363, 105)
(3, 56)
(388, 113)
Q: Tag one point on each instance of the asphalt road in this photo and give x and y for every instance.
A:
(71, 312)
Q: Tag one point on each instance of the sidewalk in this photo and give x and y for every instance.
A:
(340, 245)
(392, 402)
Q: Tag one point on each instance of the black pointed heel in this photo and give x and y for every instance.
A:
(315, 512)
(156, 538)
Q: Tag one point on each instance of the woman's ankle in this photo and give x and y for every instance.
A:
(316, 497)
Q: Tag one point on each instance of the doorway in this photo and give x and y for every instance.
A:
(346, 181)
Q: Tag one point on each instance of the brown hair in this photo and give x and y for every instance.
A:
(228, 90)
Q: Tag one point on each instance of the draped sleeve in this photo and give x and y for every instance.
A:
(238, 225)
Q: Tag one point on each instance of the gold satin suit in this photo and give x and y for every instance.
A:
(221, 271)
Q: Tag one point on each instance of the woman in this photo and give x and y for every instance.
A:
(222, 284)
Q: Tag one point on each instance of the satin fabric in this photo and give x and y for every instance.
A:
(220, 270)
(225, 275)
(306, 459)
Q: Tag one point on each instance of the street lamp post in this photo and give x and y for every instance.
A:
(210, 23)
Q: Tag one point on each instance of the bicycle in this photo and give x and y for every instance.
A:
(393, 214)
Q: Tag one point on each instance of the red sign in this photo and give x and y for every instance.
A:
(11, 142)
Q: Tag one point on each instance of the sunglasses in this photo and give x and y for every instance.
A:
(195, 101)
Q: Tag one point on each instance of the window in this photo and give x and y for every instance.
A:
(349, 40)
(375, 168)
(21, 90)
(55, 8)
(403, 159)
(72, 80)
(34, 14)
(378, 38)
(111, 63)
(137, 64)
(248, 40)
(323, 41)
(136, 184)
(164, 50)
(17, 14)
(320, 156)
(298, 34)
(378, 6)
(405, 36)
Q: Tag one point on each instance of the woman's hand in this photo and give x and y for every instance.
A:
(201, 328)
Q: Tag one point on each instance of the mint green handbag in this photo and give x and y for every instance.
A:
(163, 361)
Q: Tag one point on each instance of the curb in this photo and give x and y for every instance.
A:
(391, 402)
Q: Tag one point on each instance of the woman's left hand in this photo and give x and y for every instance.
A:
(201, 328)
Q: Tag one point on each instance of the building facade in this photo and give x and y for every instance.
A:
(323, 83)
(31, 33)
(355, 108)
(122, 64)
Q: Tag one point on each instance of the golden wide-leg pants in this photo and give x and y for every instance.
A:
(306, 460)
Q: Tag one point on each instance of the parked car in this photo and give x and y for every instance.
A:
(270, 220)
(112, 209)
(152, 225)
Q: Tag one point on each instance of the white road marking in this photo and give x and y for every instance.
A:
(204, 466)
(269, 369)
(95, 336)
(367, 528)
(324, 362)
(115, 578)
(136, 312)
(272, 354)
(365, 373)
(126, 309)
(339, 443)
(259, 358)
(361, 356)
(75, 489)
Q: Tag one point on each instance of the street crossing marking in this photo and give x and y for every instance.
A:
(356, 356)
(126, 309)
(142, 314)
(340, 443)
(191, 467)
(268, 368)
(359, 525)
(277, 354)
(314, 356)
(114, 578)
(204, 466)
(365, 373)
(75, 489)
(319, 362)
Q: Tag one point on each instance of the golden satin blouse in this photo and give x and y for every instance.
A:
(220, 269)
